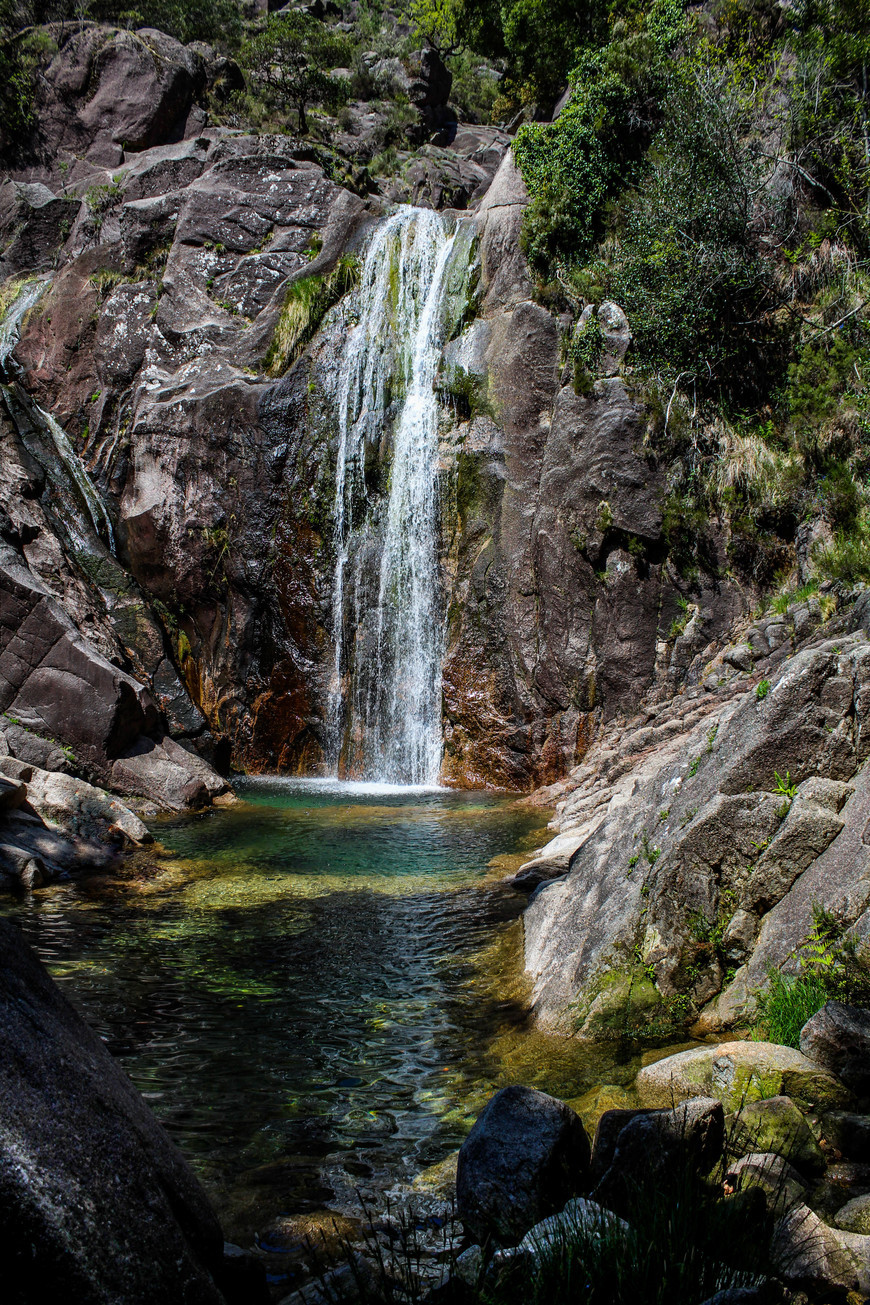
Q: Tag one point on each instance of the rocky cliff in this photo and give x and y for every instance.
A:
(154, 256)
(700, 839)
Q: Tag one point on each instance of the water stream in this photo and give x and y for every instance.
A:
(386, 695)
(319, 992)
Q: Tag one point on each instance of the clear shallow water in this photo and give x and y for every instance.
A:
(317, 990)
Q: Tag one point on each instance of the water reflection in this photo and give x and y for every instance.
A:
(318, 992)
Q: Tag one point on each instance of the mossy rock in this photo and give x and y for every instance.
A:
(737, 1073)
(854, 1216)
(626, 1001)
(777, 1126)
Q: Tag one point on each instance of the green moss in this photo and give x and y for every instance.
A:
(307, 301)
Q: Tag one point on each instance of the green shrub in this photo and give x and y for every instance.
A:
(847, 559)
(573, 166)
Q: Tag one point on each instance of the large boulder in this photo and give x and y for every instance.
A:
(775, 1125)
(660, 1148)
(107, 91)
(54, 681)
(97, 1204)
(526, 1155)
(737, 1073)
(838, 1037)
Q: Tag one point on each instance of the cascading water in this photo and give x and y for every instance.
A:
(27, 296)
(386, 694)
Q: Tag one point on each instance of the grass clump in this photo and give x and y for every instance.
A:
(307, 302)
(682, 1239)
(831, 968)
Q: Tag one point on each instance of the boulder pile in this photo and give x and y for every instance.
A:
(760, 1137)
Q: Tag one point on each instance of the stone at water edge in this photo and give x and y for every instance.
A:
(738, 1072)
(97, 1204)
(525, 1157)
(838, 1037)
(657, 1147)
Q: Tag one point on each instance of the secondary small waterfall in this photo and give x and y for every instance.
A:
(386, 695)
(27, 296)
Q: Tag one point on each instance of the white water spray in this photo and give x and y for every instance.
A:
(386, 696)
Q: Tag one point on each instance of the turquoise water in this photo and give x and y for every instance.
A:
(316, 989)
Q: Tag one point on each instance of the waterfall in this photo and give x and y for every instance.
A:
(386, 695)
(27, 295)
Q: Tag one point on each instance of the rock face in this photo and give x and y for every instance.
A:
(97, 1203)
(525, 1156)
(169, 247)
(838, 1037)
(705, 832)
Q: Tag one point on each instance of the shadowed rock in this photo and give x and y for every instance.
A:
(97, 1204)
(526, 1155)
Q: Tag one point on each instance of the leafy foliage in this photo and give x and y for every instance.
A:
(831, 968)
(291, 58)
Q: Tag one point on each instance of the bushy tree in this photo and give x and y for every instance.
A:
(290, 61)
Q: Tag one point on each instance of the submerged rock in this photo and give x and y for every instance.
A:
(97, 1204)
(526, 1155)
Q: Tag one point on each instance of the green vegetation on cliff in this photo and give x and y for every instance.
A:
(711, 174)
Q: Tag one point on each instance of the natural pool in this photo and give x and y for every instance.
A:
(318, 989)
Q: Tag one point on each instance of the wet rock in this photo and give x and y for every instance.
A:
(658, 1147)
(76, 1138)
(737, 1073)
(838, 1037)
(776, 1125)
(526, 1155)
